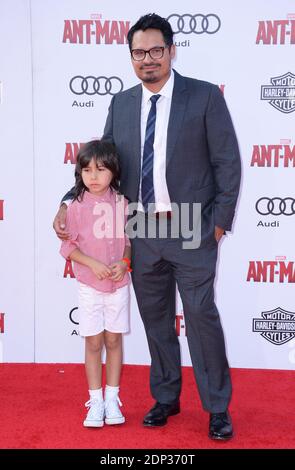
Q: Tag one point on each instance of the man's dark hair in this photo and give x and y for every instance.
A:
(153, 21)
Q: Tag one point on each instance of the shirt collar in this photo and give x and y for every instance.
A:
(106, 197)
(166, 90)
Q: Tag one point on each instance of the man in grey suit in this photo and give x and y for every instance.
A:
(177, 144)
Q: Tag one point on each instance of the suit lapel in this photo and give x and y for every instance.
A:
(177, 112)
(135, 129)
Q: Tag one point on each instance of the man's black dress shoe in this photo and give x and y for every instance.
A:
(220, 426)
(158, 415)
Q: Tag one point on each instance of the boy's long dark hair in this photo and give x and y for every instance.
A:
(104, 153)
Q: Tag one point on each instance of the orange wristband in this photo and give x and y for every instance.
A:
(128, 262)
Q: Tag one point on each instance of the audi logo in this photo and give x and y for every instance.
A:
(275, 206)
(197, 24)
(71, 316)
(91, 85)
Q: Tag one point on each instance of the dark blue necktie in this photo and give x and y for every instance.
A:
(147, 180)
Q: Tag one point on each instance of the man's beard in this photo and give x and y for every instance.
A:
(150, 79)
(150, 76)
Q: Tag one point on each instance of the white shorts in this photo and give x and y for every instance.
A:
(99, 311)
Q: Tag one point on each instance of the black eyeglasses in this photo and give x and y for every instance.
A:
(154, 53)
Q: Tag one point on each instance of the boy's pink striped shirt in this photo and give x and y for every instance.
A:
(96, 226)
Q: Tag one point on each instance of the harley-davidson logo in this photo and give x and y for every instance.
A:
(281, 94)
(277, 326)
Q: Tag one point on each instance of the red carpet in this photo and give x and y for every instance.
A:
(42, 406)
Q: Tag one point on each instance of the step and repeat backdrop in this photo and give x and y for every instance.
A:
(61, 63)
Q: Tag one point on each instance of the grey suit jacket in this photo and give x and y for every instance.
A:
(202, 161)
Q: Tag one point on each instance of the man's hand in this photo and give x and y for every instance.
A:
(219, 232)
(59, 223)
(119, 269)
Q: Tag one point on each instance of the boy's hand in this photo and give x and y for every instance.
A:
(101, 270)
(119, 269)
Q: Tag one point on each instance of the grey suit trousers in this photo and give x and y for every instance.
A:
(158, 264)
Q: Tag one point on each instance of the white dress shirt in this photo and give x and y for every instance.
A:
(162, 199)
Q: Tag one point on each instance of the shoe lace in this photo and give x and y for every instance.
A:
(217, 418)
(93, 404)
(111, 404)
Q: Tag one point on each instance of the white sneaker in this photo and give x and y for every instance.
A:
(113, 413)
(95, 415)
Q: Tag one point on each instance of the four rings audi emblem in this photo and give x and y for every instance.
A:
(91, 85)
(197, 24)
(275, 206)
